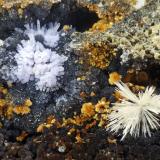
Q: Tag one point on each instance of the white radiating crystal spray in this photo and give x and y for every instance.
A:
(35, 61)
(135, 114)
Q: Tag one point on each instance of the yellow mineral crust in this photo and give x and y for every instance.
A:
(7, 107)
(88, 109)
(91, 115)
(114, 77)
(102, 106)
(22, 136)
(21, 4)
(24, 108)
(97, 55)
(109, 12)
(101, 25)
(136, 37)
(101, 7)
(116, 12)
(49, 123)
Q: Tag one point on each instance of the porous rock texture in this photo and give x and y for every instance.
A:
(66, 99)
(78, 78)
(137, 36)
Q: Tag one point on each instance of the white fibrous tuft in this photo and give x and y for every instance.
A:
(135, 114)
(50, 34)
(36, 62)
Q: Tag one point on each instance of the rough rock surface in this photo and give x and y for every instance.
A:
(80, 81)
(137, 35)
(67, 99)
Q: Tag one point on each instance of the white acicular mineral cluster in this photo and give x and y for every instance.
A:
(135, 114)
(35, 59)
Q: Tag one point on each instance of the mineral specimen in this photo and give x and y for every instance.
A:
(136, 36)
(35, 60)
(135, 114)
